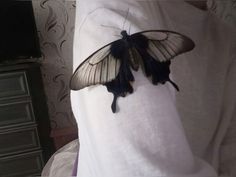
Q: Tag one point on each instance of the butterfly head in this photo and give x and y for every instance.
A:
(124, 34)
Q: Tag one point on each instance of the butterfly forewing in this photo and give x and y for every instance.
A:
(99, 55)
(111, 68)
(155, 34)
(165, 45)
(99, 68)
(156, 50)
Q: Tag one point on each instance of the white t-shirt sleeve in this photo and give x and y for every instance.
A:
(146, 137)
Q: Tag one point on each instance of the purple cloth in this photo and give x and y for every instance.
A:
(74, 172)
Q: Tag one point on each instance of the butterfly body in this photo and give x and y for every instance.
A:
(112, 64)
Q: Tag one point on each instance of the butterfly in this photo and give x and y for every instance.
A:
(111, 65)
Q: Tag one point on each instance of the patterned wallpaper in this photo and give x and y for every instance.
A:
(55, 24)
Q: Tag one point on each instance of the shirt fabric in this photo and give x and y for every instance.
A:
(157, 131)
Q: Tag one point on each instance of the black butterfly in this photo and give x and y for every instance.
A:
(111, 65)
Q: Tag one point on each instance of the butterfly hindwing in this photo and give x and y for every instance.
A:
(99, 68)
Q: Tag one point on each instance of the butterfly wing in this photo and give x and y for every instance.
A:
(157, 48)
(99, 68)
(164, 45)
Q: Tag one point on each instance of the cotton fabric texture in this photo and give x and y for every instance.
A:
(61, 163)
(157, 132)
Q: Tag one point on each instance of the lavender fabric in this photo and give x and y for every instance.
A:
(74, 172)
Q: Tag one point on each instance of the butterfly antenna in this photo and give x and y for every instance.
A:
(126, 17)
(129, 28)
(90, 13)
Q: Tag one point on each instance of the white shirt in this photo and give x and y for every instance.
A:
(156, 132)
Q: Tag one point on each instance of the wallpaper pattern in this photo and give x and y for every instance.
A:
(55, 24)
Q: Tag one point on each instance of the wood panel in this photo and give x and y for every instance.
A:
(19, 140)
(21, 165)
(13, 85)
(15, 113)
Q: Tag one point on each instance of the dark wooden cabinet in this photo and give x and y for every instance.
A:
(25, 143)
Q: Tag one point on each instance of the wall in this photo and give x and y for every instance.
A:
(55, 24)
